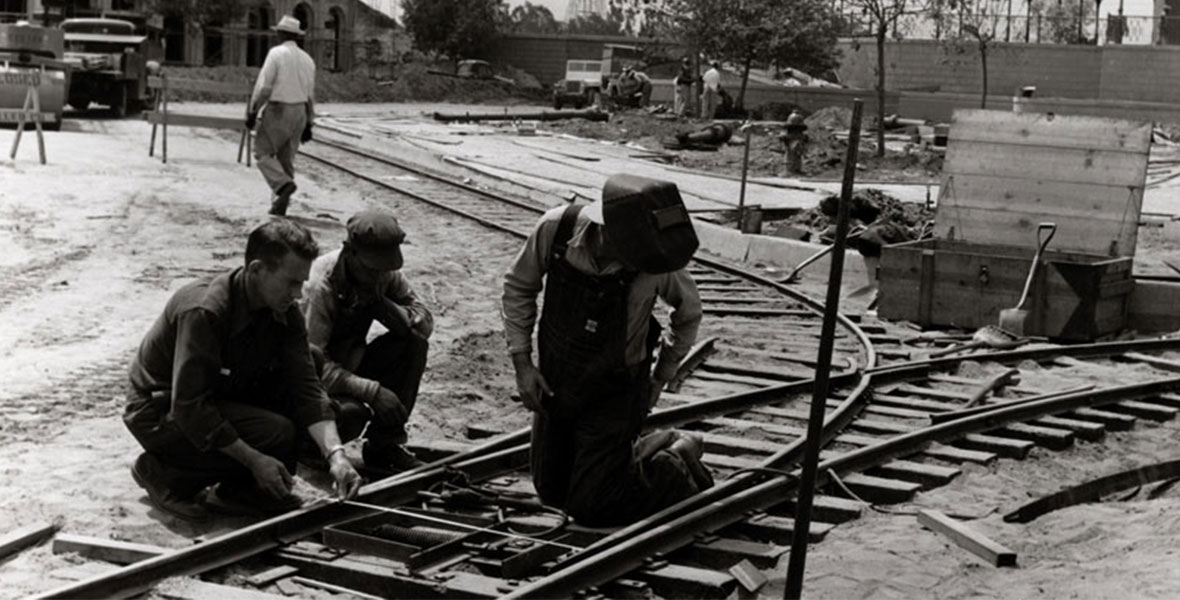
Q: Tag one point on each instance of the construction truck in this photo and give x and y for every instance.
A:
(31, 54)
(587, 82)
(110, 64)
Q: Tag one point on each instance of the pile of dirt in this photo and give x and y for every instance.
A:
(869, 205)
(410, 82)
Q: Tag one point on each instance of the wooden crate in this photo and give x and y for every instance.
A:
(1004, 174)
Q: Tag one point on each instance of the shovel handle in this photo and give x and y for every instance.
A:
(1032, 270)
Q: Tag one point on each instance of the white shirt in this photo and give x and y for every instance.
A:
(288, 75)
(712, 79)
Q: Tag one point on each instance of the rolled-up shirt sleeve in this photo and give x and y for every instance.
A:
(680, 292)
(523, 282)
(196, 365)
(310, 402)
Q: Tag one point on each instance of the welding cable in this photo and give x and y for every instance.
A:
(766, 470)
(499, 500)
(472, 528)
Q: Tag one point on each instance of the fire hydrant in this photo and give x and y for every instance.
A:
(795, 139)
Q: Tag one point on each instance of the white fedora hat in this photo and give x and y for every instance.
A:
(289, 24)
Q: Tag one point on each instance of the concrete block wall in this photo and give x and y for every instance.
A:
(544, 55)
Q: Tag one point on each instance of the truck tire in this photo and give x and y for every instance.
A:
(55, 125)
(79, 103)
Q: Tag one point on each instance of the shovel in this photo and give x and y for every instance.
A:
(988, 335)
(1013, 319)
(793, 276)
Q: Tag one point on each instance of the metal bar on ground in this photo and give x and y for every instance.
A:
(798, 558)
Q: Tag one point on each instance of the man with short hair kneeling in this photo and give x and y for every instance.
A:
(224, 380)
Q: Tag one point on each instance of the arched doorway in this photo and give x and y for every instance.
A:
(258, 21)
(335, 28)
(306, 18)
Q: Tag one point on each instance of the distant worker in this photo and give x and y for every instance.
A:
(633, 88)
(286, 86)
(375, 383)
(601, 268)
(224, 380)
(711, 97)
(684, 82)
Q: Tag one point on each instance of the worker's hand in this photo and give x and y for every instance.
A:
(348, 482)
(531, 384)
(389, 407)
(251, 119)
(306, 137)
(271, 476)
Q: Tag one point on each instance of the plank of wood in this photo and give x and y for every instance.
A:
(959, 455)
(1049, 437)
(778, 530)
(914, 403)
(736, 446)
(994, 553)
(1055, 131)
(112, 551)
(880, 490)
(1077, 165)
(829, 509)
(271, 575)
(86, 570)
(721, 552)
(183, 120)
(23, 537)
(928, 476)
(331, 587)
(1172, 400)
(1143, 410)
(1086, 430)
(1003, 446)
(679, 581)
(1012, 226)
(779, 375)
(926, 392)
(1110, 420)
(756, 382)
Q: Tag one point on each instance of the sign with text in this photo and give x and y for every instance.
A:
(15, 115)
(21, 78)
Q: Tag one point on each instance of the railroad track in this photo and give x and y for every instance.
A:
(467, 524)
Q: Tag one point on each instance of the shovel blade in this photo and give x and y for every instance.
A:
(1012, 320)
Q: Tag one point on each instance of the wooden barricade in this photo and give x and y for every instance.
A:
(30, 112)
(161, 117)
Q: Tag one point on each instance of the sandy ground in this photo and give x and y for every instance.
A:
(92, 245)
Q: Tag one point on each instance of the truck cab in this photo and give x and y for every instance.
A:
(582, 85)
(110, 64)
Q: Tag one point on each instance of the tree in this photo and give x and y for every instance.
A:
(801, 33)
(454, 28)
(970, 26)
(199, 12)
(594, 24)
(533, 18)
(883, 16)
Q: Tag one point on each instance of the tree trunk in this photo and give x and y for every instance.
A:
(881, 87)
(740, 103)
(983, 63)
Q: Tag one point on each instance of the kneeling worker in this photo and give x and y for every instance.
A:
(601, 268)
(378, 382)
(222, 382)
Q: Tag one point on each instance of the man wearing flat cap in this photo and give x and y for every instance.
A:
(375, 382)
(601, 268)
(286, 87)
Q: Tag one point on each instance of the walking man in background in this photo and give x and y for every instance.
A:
(223, 381)
(711, 97)
(376, 383)
(286, 87)
(684, 80)
(601, 268)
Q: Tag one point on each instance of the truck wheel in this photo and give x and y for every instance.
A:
(79, 103)
(55, 125)
(596, 99)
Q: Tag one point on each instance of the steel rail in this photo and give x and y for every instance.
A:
(628, 554)
(1094, 489)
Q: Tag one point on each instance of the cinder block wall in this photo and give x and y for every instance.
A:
(544, 55)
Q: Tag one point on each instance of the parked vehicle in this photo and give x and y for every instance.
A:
(582, 85)
(110, 64)
(24, 51)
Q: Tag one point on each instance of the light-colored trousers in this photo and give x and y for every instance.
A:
(278, 140)
(709, 101)
(680, 105)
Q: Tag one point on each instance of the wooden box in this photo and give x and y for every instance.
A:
(1004, 174)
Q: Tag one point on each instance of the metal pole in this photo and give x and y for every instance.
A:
(798, 558)
(745, 169)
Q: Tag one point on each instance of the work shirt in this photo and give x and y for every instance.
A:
(685, 76)
(339, 315)
(712, 79)
(287, 76)
(214, 342)
(525, 280)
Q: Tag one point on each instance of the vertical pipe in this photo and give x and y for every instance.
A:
(798, 557)
(745, 169)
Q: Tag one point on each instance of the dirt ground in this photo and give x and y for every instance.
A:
(92, 245)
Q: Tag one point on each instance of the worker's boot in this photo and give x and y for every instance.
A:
(278, 206)
(145, 472)
(394, 458)
(690, 447)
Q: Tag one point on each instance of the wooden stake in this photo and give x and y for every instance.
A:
(23, 537)
(823, 367)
